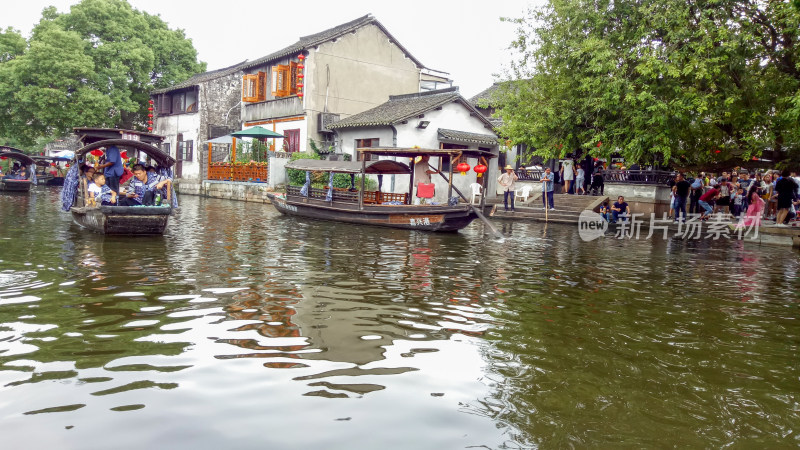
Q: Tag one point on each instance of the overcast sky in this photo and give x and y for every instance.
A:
(464, 38)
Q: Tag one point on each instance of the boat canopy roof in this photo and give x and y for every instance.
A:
(163, 159)
(14, 153)
(43, 160)
(383, 167)
(412, 152)
(91, 135)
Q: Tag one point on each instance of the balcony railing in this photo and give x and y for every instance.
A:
(235, 172)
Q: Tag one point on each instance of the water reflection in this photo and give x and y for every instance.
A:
(390, 338)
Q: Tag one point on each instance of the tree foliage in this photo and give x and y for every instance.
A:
(93, 66)
(693, 81)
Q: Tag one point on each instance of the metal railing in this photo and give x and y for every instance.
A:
(654, 177)
(657, 177)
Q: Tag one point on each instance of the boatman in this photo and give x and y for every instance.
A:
(547, 189)
(112, 168)
(422, 174)
(506, 181)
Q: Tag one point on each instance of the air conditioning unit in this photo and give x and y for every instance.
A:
(324, 120)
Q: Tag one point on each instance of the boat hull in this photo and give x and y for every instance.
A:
(123, 220)
(55, 181)
(15, 185)
(424, 218)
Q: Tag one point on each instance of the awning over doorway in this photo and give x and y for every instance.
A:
(465, 136)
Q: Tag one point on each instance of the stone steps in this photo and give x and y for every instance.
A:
(568, 208)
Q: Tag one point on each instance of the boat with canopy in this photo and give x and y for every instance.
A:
(15, 183)
(376, 207)
(50, 170)
(118, 220)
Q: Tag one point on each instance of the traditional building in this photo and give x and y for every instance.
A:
(298, 90)
(190, 113)
(434, 119)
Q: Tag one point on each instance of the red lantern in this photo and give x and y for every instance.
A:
(301, 56)
(52, 164)
(96, 152)
(124, 154)
(149, 128)
(150, 108)
(300, 85)
(150, 101)
(66, 165)
(600, 143)
(300, 94)
(3, 158)
(300, 75)
(463, 168)
(480, 169)
(301, 66)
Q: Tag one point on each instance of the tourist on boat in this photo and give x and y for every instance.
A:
(620, 210)
(506, 181)
(547, 189)
(99, 190)
(143, 188)
(422, 174)
(112, 167)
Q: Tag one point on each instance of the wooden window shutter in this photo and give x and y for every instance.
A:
(249, 83)
(275, 77)
(164, 104)
(292, 78)
(282, 82)
(261, 87)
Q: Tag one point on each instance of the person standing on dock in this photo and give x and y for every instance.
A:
(681, 192)
(547, 189)
(506, 181)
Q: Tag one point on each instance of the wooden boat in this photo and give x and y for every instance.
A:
(43, 171)
(7, 184)
(117, 220)
(358, 206)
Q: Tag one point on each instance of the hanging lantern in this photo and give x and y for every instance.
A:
(300, 94)
(150, 115)
(300, 85)
(480, 169)
(599, 143)
(124, 154)
(150, 129)
(150, 101)
(463, 168)
(300, 66)
(149, 108)
(3, 158)
(301, 56)
(96, 152)
(52, 164)
(300, 75)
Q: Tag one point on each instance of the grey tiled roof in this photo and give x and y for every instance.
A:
(313, 40)
(486, 95)
(201, 77)
(464, 136)
(404, 107)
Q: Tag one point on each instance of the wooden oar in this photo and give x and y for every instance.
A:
(477, 213)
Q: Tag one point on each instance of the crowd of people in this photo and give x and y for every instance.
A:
(109, 183)
(739, 194)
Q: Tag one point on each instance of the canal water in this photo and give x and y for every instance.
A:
(241, 328)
